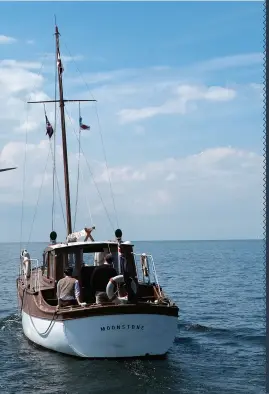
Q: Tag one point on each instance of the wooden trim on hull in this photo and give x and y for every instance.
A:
(34, 305)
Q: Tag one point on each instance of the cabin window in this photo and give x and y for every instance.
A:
(71, 260)
(88, 259)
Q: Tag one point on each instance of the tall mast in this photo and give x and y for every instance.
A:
(62, 101)
(65, 157)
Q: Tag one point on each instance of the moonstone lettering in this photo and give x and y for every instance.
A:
(123, 327)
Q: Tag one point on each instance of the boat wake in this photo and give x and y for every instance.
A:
(234, 335)
(11, 322)
(202, 328)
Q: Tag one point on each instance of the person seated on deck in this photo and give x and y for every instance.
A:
(100, 278)
(68, 291)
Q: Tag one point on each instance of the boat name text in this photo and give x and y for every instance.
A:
(123, 327)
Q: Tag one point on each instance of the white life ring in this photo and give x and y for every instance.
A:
(110, 288)
(26, 264)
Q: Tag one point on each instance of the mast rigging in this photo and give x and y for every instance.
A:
(61, 100)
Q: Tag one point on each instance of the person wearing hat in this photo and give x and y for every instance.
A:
(68, 291)
(100, 278)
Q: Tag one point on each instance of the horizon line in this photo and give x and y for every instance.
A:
(156, 240)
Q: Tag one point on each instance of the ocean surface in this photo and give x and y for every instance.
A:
(220, 343)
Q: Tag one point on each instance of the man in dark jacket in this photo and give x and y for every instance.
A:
(100, 278)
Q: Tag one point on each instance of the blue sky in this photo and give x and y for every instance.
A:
(179, 90)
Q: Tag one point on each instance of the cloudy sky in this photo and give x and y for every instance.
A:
(179, 110)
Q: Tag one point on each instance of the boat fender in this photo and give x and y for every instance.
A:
(26, 263)
(112, 284)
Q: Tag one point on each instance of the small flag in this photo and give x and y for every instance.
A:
(82, 125)
(49, 128)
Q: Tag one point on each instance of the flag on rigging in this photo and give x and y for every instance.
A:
(48, 127)
(82, 125)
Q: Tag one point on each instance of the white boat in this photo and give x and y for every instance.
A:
(141, 324)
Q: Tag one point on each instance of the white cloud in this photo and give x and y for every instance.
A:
(168, 74)
(139, 130)
(259, 88)
(19, 80)
(29, 125)
(174, 185)
(170, 186)
(207, 165)
(11, 63)
(106, 76)
(6, 39)
(171, 177)
(235, 61)
(30, 42)
(50, 57)
(178, 104)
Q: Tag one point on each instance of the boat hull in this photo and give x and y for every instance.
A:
(113, 336)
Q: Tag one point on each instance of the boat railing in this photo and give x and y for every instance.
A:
(36, 277)
(145, 268)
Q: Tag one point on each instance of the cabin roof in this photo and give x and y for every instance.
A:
(89, 246)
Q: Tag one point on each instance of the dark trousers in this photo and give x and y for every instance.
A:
(67, 302)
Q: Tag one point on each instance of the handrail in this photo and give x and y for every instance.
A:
(152, 265)
(35, 268)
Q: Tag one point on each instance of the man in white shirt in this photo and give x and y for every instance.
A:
(68, 291)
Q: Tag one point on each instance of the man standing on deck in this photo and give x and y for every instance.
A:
(100, 278)
(68, 291)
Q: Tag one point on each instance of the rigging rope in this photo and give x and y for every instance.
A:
(59, 192)
(39, 193)
(57, 182)
(54, 147)
(37, 203)
(24, 175)
(90, 171)
(100, 132)
(108, 174)
(87, 200)
(76, 204)
(25, 151)
(50, 324)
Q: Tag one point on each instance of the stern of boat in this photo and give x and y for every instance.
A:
(123, 335)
